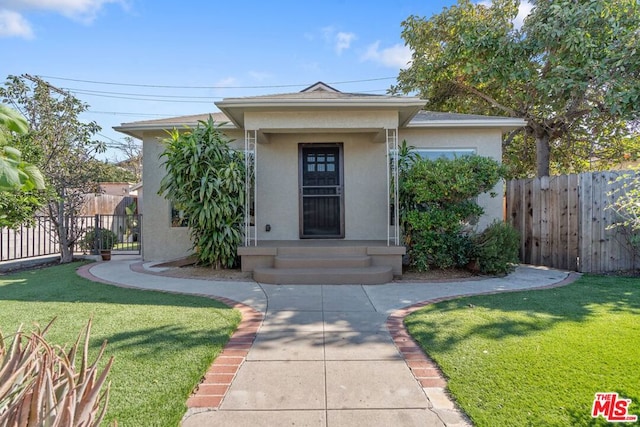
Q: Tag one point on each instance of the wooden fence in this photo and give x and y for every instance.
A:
(563, 221)
(106, 204)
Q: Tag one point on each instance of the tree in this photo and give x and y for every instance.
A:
(132, 161)
(205, 179)
(110, 172)
(572, 72)
(61, 146)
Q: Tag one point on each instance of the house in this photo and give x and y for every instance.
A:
(323, 207)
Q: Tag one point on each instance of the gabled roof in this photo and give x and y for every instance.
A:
(321, 96)
(317, 97)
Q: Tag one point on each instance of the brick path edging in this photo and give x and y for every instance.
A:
(215, 383)
(425, 370)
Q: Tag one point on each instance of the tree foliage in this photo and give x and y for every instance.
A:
(60, 145)
(572, 72)
(205, 179)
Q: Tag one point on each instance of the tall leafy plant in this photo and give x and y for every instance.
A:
(205, 179)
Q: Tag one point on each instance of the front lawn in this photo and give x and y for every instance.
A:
(162, 343)
(538, 357)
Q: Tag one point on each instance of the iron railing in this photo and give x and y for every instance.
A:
(40, 238)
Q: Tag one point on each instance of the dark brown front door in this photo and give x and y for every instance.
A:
(321, 191)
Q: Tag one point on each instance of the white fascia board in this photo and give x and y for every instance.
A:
(504, 124)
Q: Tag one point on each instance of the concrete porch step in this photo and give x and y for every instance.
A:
(325, 261)
(373, 275)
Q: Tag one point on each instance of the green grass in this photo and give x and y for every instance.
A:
(162, 343)
(537, 358)
(127, 246)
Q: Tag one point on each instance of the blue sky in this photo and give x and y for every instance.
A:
(116, 55)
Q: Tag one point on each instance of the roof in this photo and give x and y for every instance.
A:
(321, 96)
(434, 119)
(317, 97)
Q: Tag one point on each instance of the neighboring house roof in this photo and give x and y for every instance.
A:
(322, 96)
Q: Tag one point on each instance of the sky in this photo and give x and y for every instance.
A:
(133, 60)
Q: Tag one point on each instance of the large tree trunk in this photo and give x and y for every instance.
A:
(542, 154)
(66, 254)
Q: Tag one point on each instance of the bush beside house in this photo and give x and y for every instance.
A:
(439, 213)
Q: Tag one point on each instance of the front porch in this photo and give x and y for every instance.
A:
(318, 261)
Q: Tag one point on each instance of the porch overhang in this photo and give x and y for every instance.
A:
(403, 108)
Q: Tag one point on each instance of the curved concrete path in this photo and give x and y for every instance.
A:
(322, 355)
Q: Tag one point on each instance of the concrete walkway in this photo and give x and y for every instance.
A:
(323, 355)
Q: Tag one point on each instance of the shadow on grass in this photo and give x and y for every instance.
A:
(61, 284)
(536, 310)
(151, 341)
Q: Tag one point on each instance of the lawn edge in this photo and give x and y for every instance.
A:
(426, 372)
(215, 383)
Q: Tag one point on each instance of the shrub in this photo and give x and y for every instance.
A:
(106, 240)
(438, 210)
(40, 384)
(496, 248)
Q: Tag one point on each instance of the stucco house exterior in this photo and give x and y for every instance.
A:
(323, 202)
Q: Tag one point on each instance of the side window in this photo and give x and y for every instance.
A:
(178, 217)
(447, 153)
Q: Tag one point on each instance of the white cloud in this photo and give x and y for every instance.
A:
(523, 11)
(343, 41)
(12, 24)
(84, 11)
(396, 56)
(340, 40)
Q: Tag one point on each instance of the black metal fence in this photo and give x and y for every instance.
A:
(120, 233)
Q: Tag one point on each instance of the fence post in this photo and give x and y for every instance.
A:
(96, 234)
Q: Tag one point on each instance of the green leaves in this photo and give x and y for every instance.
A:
(15, 174)
(438, 210)
(572, 66)
(205, 177)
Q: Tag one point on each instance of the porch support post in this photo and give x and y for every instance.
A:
(393, 229)
(250, 186)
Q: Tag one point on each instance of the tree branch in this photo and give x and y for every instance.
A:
(487, 98)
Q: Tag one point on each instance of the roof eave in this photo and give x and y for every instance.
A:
(234, 108)
(503, 124)
(137, 130)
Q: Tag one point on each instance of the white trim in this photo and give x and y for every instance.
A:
(392, 182)
(469, 123)
(250, 181)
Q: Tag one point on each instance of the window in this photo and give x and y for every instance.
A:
(178, 217)
(447, 153)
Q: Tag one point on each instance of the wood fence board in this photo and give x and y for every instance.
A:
(572, 219)
(565, 222)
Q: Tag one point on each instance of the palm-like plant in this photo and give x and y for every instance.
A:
(205, 178)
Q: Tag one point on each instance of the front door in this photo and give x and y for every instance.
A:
(321, 191)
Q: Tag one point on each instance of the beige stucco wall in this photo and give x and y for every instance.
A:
(161, 241)
(364, 185)
(486, 142)
(332, 119)
(277, 179)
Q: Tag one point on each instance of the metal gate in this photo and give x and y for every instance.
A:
(122, 232)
